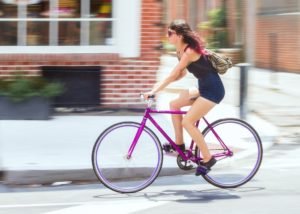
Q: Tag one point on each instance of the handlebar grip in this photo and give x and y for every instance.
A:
(149, 97)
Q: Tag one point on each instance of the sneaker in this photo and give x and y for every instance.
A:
(204, 168)
(169, 148)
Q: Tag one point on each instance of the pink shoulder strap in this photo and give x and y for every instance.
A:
(185, 48)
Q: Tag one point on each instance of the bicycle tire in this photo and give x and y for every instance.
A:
(131, 175)
(228, 173)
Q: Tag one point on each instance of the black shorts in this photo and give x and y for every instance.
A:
(211, 87)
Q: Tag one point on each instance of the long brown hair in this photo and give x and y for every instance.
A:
(189, 37)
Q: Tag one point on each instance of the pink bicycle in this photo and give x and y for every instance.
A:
(127, 157)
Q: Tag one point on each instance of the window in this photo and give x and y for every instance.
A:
(37, 23)
(8, 36)
(277, 6)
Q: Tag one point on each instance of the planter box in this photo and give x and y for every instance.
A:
(36, 108)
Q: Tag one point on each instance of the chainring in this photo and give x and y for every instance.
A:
(184, 164)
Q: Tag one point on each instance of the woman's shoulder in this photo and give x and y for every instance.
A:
(192, 54)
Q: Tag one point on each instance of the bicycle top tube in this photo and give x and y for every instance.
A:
(166, 111)
(149, 110)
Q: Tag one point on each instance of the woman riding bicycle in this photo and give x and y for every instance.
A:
(192, 56)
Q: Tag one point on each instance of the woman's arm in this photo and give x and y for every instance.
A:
(177, 73)
(183, 73)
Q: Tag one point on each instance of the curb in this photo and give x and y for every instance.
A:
(46, 177)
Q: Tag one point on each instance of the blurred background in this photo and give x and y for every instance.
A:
(63, 58)
(62, 39)
(116, 45)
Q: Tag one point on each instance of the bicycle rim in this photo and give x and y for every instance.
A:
(115, 170)
(237, 169)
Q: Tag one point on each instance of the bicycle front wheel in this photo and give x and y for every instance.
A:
(238, 163)
(112, 165)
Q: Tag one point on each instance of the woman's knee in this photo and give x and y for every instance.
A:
(179, 102)
(187, 123)
(174, 105)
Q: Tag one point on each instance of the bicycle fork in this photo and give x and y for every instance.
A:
(137, 136)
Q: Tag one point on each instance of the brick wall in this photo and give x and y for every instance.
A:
(234, 17)
(122, 78)
(278, 42)
(277, 36)
(231, 21)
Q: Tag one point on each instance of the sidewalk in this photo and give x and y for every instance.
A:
(43, 152)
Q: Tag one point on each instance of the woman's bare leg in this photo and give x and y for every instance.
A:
(200, 108)
(184, 99)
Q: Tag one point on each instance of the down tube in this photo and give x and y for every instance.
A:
(184, 157)
(159, 128)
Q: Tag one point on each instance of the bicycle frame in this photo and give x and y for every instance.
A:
(185, 157)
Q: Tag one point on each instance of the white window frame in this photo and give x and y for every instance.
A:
(125, 33)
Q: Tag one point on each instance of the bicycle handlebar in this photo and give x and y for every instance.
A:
(149, 101)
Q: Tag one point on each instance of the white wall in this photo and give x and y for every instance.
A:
(128, 27)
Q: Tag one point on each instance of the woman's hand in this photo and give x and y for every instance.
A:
(146, 95)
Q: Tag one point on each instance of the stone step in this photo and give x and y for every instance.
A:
(129, 77)
(129, 81)
(127, 85)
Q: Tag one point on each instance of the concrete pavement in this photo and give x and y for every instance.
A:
(43, 152)
(60, 149)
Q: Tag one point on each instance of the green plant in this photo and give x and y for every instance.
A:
(20, 88)
(216, 25)
(217, 17)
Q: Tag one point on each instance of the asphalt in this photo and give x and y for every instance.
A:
(59, 149)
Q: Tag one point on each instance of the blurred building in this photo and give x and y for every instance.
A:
(116, 41)
(194, 11)
(275, 23)
(277, 35)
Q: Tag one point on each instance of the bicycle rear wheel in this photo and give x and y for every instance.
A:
(239, 165)
(115, 170)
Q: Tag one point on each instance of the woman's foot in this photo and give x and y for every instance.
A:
(167, 147)
(204, 167)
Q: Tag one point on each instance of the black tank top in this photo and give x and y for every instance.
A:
(201, 67)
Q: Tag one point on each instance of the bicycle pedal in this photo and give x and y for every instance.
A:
(167, 148)
(201, 170)
(171, 154)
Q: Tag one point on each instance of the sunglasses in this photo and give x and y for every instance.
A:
(170, 33)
